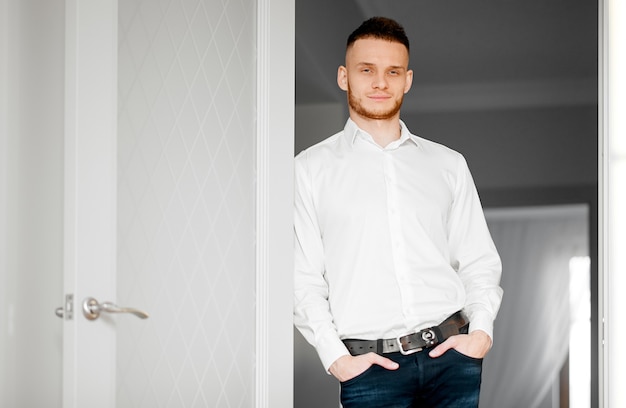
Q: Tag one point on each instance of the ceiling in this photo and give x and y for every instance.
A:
(476, 54)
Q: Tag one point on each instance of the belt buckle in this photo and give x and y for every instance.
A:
(428, 336)
(401, 345)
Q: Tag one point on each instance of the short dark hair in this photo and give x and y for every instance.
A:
(380, 27)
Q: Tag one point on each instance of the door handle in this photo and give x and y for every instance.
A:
(92, 309)
(66, 312)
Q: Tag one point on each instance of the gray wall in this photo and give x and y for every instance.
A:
(531, 148)
(315, 122)
(521, 148)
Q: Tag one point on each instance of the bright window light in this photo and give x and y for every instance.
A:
(580, 332)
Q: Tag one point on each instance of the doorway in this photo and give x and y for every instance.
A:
(490, 84)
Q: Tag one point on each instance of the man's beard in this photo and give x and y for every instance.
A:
(359, 109)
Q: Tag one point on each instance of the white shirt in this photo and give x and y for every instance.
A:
(388, 241)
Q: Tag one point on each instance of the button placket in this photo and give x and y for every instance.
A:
(395, 230)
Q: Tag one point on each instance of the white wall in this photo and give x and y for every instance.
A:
(4, 219)
(31, 201)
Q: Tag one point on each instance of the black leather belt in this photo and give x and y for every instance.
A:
(414, 342)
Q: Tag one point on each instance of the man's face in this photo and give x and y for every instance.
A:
(376, 77)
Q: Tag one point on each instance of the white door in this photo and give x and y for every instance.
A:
(176, 202)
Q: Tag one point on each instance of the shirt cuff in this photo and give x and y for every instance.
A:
(329, 350)
(482, 321)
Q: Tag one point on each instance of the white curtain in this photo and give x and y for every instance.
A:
(531, 336)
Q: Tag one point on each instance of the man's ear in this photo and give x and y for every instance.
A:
(409, 81)
(342, 78)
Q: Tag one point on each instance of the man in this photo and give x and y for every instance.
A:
(390, 242)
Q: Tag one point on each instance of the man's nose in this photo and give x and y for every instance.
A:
(380, 81)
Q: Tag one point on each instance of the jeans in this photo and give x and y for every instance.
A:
(452, 380)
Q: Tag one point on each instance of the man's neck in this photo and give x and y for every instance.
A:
(383, 131)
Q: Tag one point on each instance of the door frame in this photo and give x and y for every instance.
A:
(275, 146)
(611, 199)
(90, 200)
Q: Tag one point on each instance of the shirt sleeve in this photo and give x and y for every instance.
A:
(474, 254)
(312, 315)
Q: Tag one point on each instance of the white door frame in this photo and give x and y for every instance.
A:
(612, 200)
(275, 146)
(91, 216)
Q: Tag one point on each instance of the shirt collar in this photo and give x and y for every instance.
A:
(352, 131)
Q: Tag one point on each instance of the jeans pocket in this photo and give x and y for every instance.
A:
(474, 360)
(358, 377)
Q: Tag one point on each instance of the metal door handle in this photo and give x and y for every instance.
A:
(92, 309)
(66, 312)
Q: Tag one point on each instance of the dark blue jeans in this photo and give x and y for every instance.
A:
(452, 380)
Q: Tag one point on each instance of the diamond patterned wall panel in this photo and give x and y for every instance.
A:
(186, 203)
